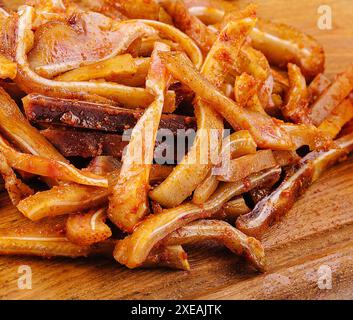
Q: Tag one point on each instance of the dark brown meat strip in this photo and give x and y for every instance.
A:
(89, 115)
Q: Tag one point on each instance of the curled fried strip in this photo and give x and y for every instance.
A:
(128, 201)
(221, 231)
(188, 46)
(333, 124)
(8, 69)
(192, 26)
(134, 249)
(88, 228)
(16, 127)
(296, 108)
(15, 187)
(282, 199)
(192, 170)
(121, 65)
(72, 198)
(332, 97)
(237, 144)
(55, 245)
(61, 200)
(267, 132)
(249, 164)
(46, 167)
(29, 81)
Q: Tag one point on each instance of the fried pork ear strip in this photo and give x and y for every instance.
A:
(29, 81)
(15, 187)
(333, 124)
(142, 9)
(134, 249)
(173, 257)
(8, 69)
(234, 209)
(281, 200)
(55, 245)
(88, 228)
(96, 116)
(128, 203)
(266, 131)
(194, 167)
(85, 38)
(192, 26)
(332, 96)
(121, 65)
(237, 144)
(48, 167)
(72, 198)
(296, 107)
(280, 43)
(221, 231)
(16, 127)
(249, 164)
(188, 45)
(317, 87)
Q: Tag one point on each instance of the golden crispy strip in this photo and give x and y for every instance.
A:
(267, 132)
(188, 45)
(88, 228)
(279, 42)
(245, 91)
(29, 81)
(8, 69)
(285, 158)
(55, 245)
(134, 249)
(192, 26)
(296, 107)
(16, 127)
(281, 200)
(235, 208)
(207, 187)
(223, 232)
(121, 65)
(249, 164)
(143, 9)
(317, 87)
(333, 124)
(15, 187)
(128, 203)
(237, 144)
(71, 198)
(282, 44)
(332, 97)
(48, 167)
(61, 200)
(192, 170)
(137, 79)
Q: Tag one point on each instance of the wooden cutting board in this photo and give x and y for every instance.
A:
(314, 239)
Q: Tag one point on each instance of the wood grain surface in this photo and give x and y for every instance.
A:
(315, 235)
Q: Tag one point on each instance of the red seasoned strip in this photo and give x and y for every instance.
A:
(89, 115)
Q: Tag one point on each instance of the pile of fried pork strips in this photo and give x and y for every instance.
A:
(134, 128)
